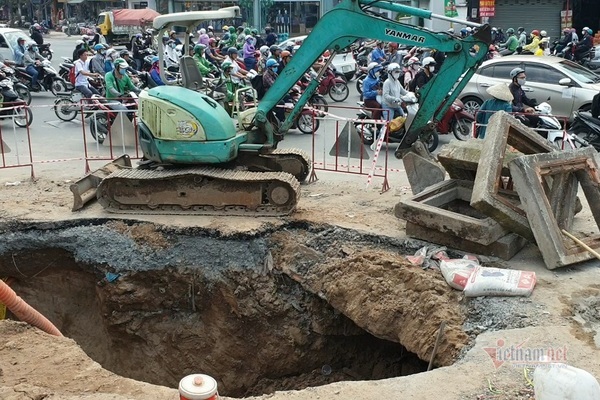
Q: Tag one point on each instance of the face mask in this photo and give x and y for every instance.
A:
(521, 81)
(396, 75)
(34, 48)
(431, 69)
(415, 66)
(123, 71)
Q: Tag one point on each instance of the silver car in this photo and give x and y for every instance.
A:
(568, 86)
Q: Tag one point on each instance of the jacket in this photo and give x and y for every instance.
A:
(485, 112)
(116, 88)
(511, 44)
(268, 78)
(419, 81)
(520, 99)
(392, 93)
(97, 64)
(19, 53)
(155, 75)
(30, 56)
(378, 55)
(533, 46)
(370, 87)
(203, 64)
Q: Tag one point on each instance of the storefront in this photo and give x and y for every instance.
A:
(294, 17)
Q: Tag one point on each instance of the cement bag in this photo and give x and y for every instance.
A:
(457, 272)
(485, 281)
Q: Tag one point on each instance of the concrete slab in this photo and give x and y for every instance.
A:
(445, 208)
(505, 248)
(461, 159)
(422, 172)
(504, 129)
(550, 210)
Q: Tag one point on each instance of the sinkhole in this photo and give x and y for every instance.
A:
(282, 309)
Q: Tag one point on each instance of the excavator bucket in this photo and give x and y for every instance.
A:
(84, 190)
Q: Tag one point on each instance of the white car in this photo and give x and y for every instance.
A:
(343, 62)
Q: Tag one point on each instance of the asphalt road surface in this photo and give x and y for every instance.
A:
(53, 141)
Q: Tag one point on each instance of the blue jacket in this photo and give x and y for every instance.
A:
(370, 87)
(155, 75)
(19, 53)
(378, 55)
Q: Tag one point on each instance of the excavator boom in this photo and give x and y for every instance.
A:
(351, 20)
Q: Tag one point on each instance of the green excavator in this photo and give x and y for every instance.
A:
(204, 164)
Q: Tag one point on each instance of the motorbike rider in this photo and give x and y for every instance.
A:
(394, 56)
(97, 38)
(424, 75)
(275, 53)
(79, 44)
(585, 44)
(231, 42)
(171, 58)
(118, 85)
(372, 90)
(511, 44)
(532, 47)
(241, 36)
(268, 79)
(501, 101)
(271, 38)
(203, 37)
(249, 49)
(109, 60)
(258, 40)
(392, 92)
(237, 74)
(138, 48)
(521, 103)
(97, 62)
(82, 73)
(378, 55)
(412, 68)
(564, 40)
(32, 61)
(286, 57)
(19, 51)
(212, 54)
(155, 71)
(262, 61)
(203, 64)
(521, 36)
(36, 34)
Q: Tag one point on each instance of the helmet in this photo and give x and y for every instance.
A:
(231, 51)
(231, 29)
(37, 26)
(375, 69)
(543, 33)
(202, 31)
(285, 54)
(21, 39)
(155, 59)
(510, 31)
(211, 40)
(494, 29)
(393, 45)
(210, 28)
(463, 31)
(516, 71)
(393, 67)
(273, 49)
(413, 60)
(247, 31)
(520, 29)
(469, 29)
(120, 63)
(250, 39)
(138, 35)
(226, 65)
(124, 53)
(428, 61)
(31, 44)
(264, 50)
(225, 28)
(99, 47)
(77, 42)
(450, 30)
(372, 65)
(112, 53)
(199, 48)
(535, 32)
(85, 38)
(254, 31)
(271, 63)
(589, 31)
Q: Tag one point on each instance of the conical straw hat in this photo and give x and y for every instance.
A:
(501, 92)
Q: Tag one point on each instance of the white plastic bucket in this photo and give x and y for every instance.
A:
(198, 387)
(555, 381)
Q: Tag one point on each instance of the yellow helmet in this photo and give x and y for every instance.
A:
(225, 28)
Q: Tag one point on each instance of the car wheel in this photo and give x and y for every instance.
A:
(472, 104)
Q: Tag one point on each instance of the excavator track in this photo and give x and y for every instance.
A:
(199, 191)
(292, 161)
(298, 157)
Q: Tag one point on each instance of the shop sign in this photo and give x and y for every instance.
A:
(450, 8)
(487, 8)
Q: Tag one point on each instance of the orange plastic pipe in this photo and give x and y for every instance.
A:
(24, 311)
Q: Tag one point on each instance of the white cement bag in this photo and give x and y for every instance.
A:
(485, 281)
(457, 272)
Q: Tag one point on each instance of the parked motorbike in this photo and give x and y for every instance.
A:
(12, 105)
(21, 90)
(369, 131)
(335, 87)
(67, 105)
(46, 51)
(101, 122)
(50, 81)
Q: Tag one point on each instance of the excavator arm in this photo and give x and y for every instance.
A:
(351, 20)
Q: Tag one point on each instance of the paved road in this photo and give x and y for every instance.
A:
(53, 139)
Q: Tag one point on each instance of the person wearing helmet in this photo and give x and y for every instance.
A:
(522, 37)
(378, 54)
(203, 64)
(393, 55)
(155, 72)
(271, 37)
(424, 75)
(139, 50)
(413, 65)
(532, 47)
(248, 53)
(262, 60)
(213, 55)
(270, 73)
(286, 57)
(372, 90)
(232, 41)
(565, 39)
(82, 73)
(36, 35)
(463, 33)
(109, 60)
(118, 83)
(96, 39)
(96, 64)
(237, 74)
(258, 40)
(79, 44)
(584, 45)
(203, 37)
(521, 103)
(241, 36)
(19, 51)
(511, 44)
(227, 69)
(392, 92)
(132, 71)
(170, 56)
(32, 61)
(174, 38)
(275, 52)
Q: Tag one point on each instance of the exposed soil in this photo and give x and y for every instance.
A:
(265, 304)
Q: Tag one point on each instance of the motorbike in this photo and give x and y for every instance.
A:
(50, 80)
(550, 128)
(369, 131)
(304, 119)
(585, 129)
(21, 90)
(67, 105)
(593, 61)
(13, 106)
(46, 51)
(101, 122)
(335, 87)
(456, 120)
